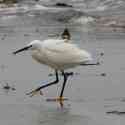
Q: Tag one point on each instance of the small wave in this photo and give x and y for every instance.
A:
(83, 20)
(39, 7)
(101, 8)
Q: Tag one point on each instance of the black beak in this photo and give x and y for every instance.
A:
(23, 49)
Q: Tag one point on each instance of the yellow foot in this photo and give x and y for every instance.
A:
(34, 92)
(56, 99)
(59, 99)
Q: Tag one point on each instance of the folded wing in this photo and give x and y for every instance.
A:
(66, 53)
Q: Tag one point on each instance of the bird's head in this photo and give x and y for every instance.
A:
(33, 45)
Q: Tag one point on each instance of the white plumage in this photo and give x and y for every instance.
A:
(58, 54)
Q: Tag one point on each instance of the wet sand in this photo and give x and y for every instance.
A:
(90, 94)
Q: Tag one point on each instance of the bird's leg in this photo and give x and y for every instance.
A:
(61, 99)
(32, 93)
(64, 83)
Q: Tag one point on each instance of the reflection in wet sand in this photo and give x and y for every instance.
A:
(57, 116)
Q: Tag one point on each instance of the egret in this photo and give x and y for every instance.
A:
(59, 55)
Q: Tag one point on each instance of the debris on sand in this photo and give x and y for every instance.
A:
(8, 87)
(63, 5)
(103, 74)
(116, 112)
(102, 54)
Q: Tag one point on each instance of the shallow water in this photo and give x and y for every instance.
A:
(90, 94)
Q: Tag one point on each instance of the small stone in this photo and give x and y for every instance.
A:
(103, 74)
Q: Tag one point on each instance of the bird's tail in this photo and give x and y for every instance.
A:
(95, 63)
(90, 64)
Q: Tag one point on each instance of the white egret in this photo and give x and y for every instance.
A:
(59, 55)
